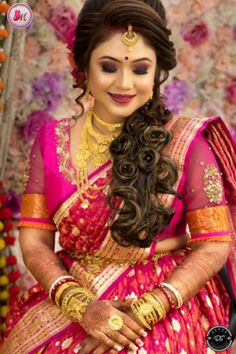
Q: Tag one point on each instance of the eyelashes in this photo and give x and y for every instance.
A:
(112, 68)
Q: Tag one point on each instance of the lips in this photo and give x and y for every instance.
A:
(121, 98)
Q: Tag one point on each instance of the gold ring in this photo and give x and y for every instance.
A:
(115, 322)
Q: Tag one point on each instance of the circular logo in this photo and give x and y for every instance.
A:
(20, 15)
(219, 338)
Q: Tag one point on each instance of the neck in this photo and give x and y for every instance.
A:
(104, 126)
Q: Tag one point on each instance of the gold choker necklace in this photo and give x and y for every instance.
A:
(109, 126)
(94, 147)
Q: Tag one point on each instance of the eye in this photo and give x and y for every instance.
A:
(108, 68)
(141, 70)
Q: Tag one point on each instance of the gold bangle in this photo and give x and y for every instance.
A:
(61, 289)
(140, 316)
(67, 297)
(76, 308)
(157, 305)
(146, 311)
(176, 294)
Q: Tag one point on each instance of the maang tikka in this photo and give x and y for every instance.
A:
(129, 38)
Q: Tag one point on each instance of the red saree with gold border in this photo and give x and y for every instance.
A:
(111, 271)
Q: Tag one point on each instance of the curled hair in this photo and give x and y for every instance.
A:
(140, 172)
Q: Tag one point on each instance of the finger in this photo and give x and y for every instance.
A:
(133, 325)
(120, 339)
(89, 345)
(131, 335)
(104, 349)
(121, 304)
(104, 339)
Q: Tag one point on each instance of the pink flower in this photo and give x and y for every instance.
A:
(63, 18)
(231, 92)
(32, 49)
(34, 122)
(195, 33)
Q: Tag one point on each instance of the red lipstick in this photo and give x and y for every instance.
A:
(121, 99)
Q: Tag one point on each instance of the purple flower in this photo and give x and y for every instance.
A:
(62, 18)
(34, 122)
(230, 92)
(13, 203)
(177, 93)
(195, 33)
(50, 88)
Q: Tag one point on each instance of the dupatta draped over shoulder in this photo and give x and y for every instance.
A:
(206, 159)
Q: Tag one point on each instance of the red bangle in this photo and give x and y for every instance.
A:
(59, 283)
(167, 295)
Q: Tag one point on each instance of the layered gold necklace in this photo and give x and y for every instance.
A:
(94, 147)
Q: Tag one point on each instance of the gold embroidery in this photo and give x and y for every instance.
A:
(25, 178)
(212, 184)
(93, 264)
(63, 151)
(67, 343)
(214, 219)
(34, 206)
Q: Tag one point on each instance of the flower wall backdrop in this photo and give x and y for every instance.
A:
(204, 83)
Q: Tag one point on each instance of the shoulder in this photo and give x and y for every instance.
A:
(179, 123)
(185, 131)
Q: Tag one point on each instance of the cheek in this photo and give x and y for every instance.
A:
(144, 88)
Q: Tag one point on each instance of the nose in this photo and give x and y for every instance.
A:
(125, 80)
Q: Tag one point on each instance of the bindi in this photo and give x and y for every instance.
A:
(126, 58)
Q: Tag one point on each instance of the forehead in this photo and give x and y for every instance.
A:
(114, 47)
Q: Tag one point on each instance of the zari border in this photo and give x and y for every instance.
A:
(32, 329)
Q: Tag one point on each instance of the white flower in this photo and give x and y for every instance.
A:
(176, 325)
(46, 35)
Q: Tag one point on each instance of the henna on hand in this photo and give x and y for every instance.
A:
(127, 337)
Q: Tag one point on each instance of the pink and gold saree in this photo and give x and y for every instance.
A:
(205, 156)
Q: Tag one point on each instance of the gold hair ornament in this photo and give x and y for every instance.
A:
(129, 38)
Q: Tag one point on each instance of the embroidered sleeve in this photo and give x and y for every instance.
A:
(34, 211)
(204, 198)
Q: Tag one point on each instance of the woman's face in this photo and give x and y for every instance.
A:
(121, 81)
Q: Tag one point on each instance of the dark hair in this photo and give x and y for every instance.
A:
(140, 171)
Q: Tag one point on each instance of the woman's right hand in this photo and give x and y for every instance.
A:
(95, 323)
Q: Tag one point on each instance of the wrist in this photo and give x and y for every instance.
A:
(73, 300)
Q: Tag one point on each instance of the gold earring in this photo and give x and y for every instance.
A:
(87, 92)
(151, 96)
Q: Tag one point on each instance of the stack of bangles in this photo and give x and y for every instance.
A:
(149, 309)
(72, 299)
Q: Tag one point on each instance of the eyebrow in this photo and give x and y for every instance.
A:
(119, 61)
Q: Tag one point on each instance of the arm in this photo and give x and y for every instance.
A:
(209, 225)
(37, 247)
(206, 259)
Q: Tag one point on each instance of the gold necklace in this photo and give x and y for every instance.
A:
(94, 147)
(109, 126)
